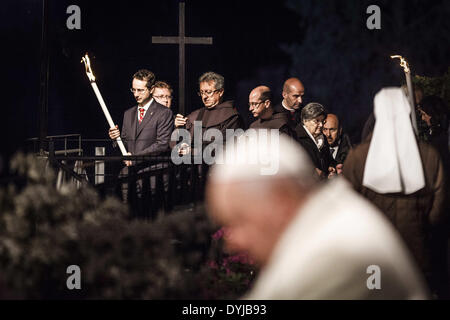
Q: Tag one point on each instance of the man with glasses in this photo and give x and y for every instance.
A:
(147, 127)
(310, 136)
(216, 113)
(162, 92)
(260, 103)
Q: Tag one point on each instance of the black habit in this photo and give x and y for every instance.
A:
(294, 117)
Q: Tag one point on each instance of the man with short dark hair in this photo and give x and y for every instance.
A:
(260, 103)
(293, 91)
(339, 142)
(147, 127)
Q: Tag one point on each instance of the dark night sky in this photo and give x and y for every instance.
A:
(326, 44)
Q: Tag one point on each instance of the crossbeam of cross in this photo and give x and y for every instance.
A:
(182, 40)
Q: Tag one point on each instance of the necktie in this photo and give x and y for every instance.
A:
(332, 149)
(141, 114)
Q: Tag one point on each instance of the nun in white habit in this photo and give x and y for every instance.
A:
(403, 177)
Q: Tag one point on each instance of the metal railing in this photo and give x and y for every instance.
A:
(153, 185)
(64, 150)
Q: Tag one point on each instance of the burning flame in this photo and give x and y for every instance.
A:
(87, 64)
(403, 62)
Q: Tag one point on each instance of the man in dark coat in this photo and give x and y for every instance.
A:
(339, 142)
(215, 114)
(260, 103)
(147, 127)
(293, 91)
(310, 136)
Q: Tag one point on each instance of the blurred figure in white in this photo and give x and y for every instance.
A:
(312, 240)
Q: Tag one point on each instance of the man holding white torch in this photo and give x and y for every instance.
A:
(147, 127)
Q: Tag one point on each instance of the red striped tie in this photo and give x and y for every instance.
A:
(141, 114)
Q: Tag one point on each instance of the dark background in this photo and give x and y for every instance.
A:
(325, 43)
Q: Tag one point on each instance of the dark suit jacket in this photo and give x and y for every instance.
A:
(344, 148)
(152, 135)
(321, 159)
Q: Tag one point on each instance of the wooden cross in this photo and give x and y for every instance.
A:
(182, 40)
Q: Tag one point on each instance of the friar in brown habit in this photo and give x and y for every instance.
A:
(215, 114)
(260, 103)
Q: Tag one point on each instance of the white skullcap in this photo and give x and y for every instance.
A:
(393, 163)
(262, 154)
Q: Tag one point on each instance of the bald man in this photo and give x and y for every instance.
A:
(260, 105)
(312, 240)
(338, 141)
(293, 91)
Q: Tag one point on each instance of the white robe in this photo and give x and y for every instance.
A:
(326, 251)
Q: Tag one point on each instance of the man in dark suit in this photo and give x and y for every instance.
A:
(339, 142)
(293, 91)
(147, 127)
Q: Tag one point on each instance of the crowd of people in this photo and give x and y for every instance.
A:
(151, 135)
(333, 209)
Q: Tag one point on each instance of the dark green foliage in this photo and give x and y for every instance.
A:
(435, 86)
(44, 230)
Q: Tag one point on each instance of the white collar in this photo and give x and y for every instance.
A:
(147, 105)
(284, 106)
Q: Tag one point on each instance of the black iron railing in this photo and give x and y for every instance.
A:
(152, 185)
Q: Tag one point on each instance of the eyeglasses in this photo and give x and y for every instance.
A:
(255, 104)
(138, 90)
(163, 97)
(317, 121)
(207, 93)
